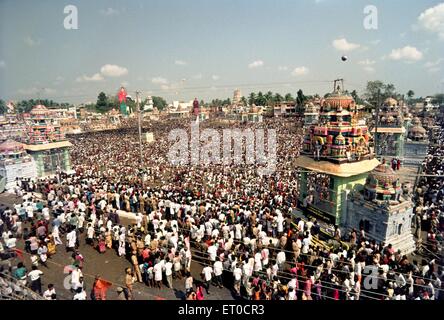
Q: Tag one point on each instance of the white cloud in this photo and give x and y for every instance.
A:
(343, 45)
(31, 42)
(434, 66)
(299, 71)
(112, 70)
(180, 63)
(2, 63)
(431, 64)
(366, 62)
(432, 20)
(256, 64)
(369, 69)
(94, 77)
(282, 68)
(109, 12)
(159, 80)
(408, 54)
(215, 77)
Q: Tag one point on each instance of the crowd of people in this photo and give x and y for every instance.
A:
(236, 225)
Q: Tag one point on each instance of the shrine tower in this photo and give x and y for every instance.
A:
(335, 159)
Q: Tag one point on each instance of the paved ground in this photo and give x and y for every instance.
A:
(111, 267)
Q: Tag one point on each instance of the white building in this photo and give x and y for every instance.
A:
(15, 163)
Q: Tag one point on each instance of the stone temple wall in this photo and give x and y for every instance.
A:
(391, 225)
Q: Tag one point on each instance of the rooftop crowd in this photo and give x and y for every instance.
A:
(234, 224)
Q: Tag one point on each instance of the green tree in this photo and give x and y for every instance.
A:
(3, 108)
(278, 98)
(288, 97)
(372, 89)
(243, 101)
(102, 103)
(260, 99)
(300, 99)
(269, 98)
(251, 98)
(438, 98)
(159, 103)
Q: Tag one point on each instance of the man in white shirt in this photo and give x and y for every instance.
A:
(50, 293)
(80, 294)
(34, 277)
(168, 268)
(157, 270)
(218, 270)
(212, 252)
(11, 242)
(280, 259)
(237, 274)
(207, 276)
(71, 238)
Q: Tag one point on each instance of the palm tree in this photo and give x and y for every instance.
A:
(260, 99)
(243, 100)
(269, 97)
(289, 97)
(278, 98)
(251, 98)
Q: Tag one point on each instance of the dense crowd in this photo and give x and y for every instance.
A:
(237, 225)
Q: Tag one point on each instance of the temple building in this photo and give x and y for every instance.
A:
(237, 96)
(341, 181)
(382, 210)
(416, 144)
(15, 164)
(46, 143)
(389, 131)
(335, 159)
(311, 114)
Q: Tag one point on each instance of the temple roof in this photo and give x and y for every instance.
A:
(47, 146)
(10, 145)
(339, 170)
(39, 110)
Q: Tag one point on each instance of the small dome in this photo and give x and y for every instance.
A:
(383, 174)
(390, 102)
(39, 110)
(10, 146)
(339, 139)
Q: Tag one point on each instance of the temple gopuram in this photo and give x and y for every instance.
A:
(390, 131)
(341, 181)
(46, 143)
(416, 144)
(311, 114)
(336, 157)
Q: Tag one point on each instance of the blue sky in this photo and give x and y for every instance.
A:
(181, 49)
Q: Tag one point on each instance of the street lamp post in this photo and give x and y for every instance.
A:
(140, 126)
